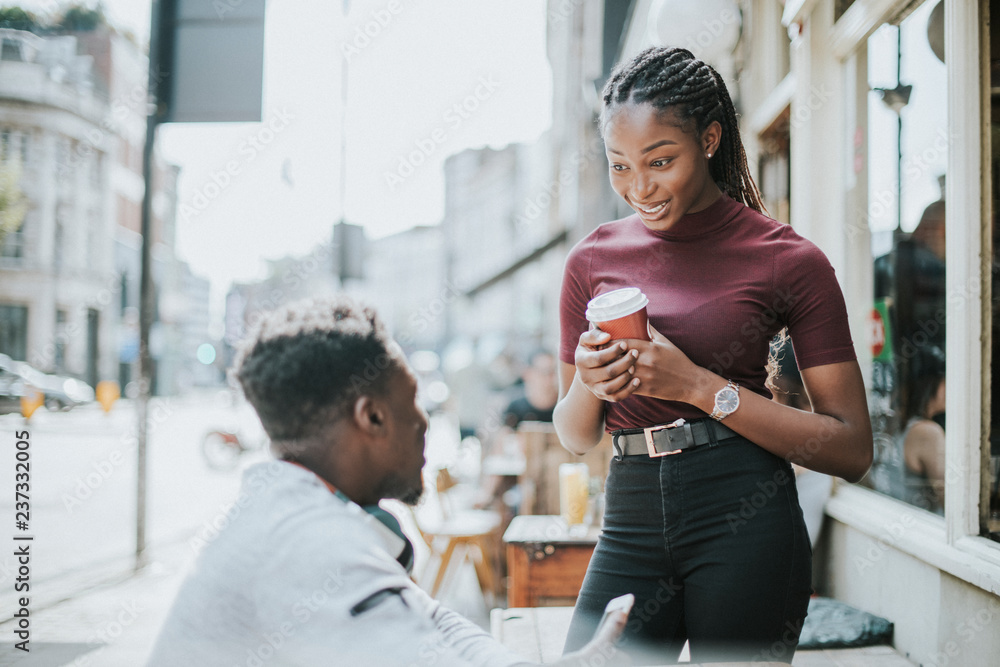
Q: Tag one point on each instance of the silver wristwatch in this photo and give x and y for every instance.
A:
(727, 400)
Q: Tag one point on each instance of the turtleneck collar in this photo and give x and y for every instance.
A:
(693, 226)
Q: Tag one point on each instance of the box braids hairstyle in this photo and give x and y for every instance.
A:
(674, 81)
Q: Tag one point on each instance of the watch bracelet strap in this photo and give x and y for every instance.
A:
(630, 442)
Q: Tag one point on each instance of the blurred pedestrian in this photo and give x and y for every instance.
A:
(308, 570)
(710, 540)
(541, 391)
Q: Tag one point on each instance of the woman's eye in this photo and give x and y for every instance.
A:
(662, 163)
(618, 167)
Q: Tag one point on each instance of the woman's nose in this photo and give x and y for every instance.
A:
(642, 187)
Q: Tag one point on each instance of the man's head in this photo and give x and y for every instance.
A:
(334, 393)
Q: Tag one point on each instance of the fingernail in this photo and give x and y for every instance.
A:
(635, 382)
(631, 370)
(623, 346)
(635, 354)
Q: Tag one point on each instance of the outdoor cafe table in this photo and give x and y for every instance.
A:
(546, 560)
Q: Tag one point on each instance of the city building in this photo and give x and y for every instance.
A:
(57, 282)
(404, 278)
(288, 279)
(72, 118)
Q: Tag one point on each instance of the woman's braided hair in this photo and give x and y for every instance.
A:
(675, 82)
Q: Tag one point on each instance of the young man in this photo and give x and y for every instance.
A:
(308, 570)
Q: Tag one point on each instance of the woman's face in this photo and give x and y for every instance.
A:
(659, 169)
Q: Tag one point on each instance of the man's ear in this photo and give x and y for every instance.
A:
(369, 414)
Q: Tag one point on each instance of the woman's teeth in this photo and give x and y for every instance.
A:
(655, 209)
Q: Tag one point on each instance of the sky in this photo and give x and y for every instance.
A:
(425, 80)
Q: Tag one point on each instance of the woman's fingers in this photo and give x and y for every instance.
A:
(615, 381)
(621, 366)
(591, 358)
(595, 338)
(608, 371)
(620, 388)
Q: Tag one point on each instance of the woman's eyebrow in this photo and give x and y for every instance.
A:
(651, 147)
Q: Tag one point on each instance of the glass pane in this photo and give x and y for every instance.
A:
(908, 141)
(993, 474)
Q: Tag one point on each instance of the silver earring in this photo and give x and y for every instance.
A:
(708, 155)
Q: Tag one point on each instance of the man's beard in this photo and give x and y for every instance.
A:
(412, 497)
(408, 492)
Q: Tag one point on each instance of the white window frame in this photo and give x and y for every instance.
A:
(951, 544)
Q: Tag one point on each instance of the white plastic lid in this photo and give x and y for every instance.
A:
(617, 303)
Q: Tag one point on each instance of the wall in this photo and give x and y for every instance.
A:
(939, 619)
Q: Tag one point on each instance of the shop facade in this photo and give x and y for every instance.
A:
(887, 114)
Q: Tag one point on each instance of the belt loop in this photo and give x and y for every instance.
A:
(710, 427)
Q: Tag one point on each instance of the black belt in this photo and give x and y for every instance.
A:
(665, 439)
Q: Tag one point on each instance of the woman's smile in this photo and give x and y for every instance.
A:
(650, 212)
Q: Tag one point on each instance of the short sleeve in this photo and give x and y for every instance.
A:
(815, 311)
(573, 299)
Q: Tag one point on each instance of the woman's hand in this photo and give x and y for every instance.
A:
(609, 372)
(663, 371)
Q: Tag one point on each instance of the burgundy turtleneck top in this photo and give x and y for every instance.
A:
(721, 283)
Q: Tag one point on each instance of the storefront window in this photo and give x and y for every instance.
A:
(993, 474)
(908, 143)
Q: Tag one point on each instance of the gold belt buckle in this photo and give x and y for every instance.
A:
(650, 447)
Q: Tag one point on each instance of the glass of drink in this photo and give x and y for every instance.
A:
(574, 492)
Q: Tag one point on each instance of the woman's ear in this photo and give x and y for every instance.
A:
(711, 138)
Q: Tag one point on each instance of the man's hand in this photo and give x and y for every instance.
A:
(601, 650)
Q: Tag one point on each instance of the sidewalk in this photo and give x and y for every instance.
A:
(111, 624)
(116, 622)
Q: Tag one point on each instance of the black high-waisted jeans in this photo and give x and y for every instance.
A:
(712, 544)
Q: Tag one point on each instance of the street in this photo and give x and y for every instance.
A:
(82, 495)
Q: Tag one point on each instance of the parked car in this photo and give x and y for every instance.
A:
(11, 387)
(61, 392)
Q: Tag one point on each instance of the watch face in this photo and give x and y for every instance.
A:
(727, 400)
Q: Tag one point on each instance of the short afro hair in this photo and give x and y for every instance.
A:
(306, 363)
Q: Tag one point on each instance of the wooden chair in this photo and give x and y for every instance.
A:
(469, 533)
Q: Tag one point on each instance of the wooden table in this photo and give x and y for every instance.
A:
(546, 561)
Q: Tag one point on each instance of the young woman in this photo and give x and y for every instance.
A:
(709, 539)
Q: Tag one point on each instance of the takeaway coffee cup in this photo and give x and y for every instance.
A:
(621, 312)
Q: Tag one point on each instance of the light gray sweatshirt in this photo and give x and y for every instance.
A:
(298, 576)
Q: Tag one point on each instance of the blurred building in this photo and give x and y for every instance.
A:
(72, 113)
(511, 215)
(181, 329)
(405, 279)
(288, 279)
(57, 282)
(493, 232)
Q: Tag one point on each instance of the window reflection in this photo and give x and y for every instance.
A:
(907, 134)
